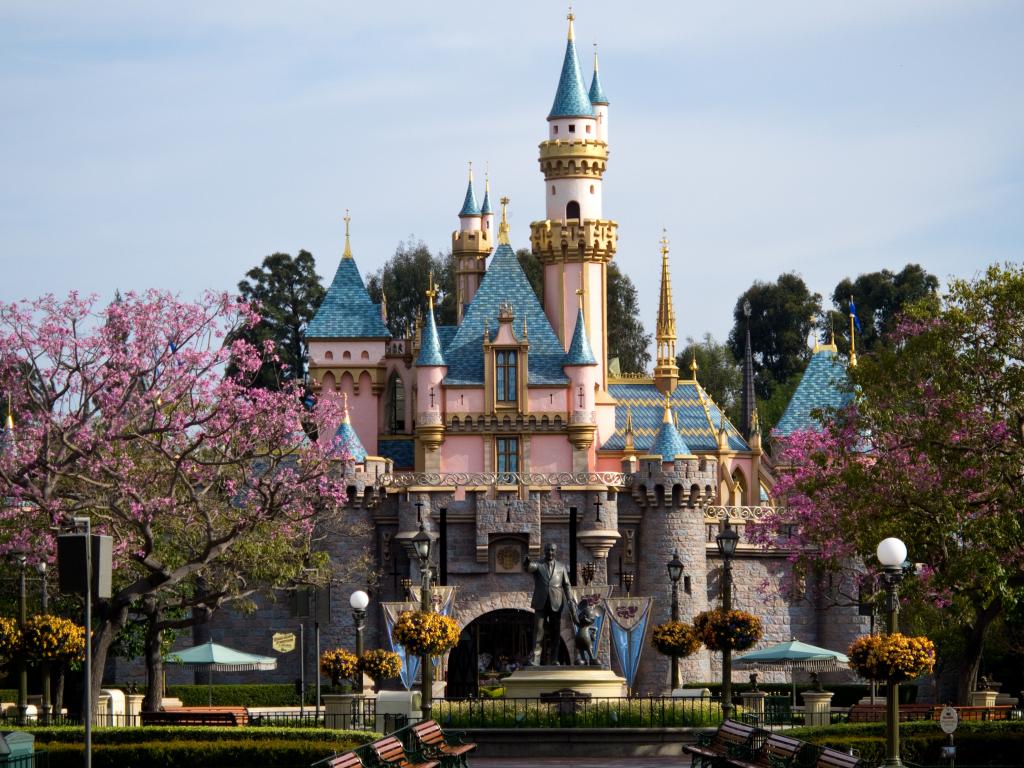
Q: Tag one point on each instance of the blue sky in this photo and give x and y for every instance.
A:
(174, 145)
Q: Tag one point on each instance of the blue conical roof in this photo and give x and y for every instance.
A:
(430, 343)
(571, 99)
(346, 441)
(824, 385)
(469, 206)
(669, 443)
(347, 311)
(486, 207)
(596, 91)
(579, 350)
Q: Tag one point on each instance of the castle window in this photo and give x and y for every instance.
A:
(396, 399)
(365, 355)
(328, 355)
(507, 454)
(591, 189)
(572, 128)
(552, 189)
(505, 363)
(346, 355)
(572, 210)
(556, 129)
(588, 129)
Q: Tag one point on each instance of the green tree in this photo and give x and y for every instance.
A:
(718, 372)
(404, 279)
(880, 298)
(533, 270)
(287, 292)
(627, 340)
(781, 319)
(943, 468)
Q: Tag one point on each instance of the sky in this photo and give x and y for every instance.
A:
(174, 145)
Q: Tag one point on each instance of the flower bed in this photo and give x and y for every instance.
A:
(893, 658)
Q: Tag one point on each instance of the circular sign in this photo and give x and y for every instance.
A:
(949, 719)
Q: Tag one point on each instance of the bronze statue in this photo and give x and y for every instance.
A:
(551, 591)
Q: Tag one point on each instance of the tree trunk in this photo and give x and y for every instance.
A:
(974, 642)
(154, 657)
(110, 622)
(58, 693)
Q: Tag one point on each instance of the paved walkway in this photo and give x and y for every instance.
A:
(659, 761)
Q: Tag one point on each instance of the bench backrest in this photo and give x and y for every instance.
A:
(429, 732)
(733, 732)
(347, 760)
(831, 758)
(782, 746)
(390, 750)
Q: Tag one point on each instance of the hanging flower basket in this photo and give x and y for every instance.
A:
(675, 638)
(733, 630)
(54, 638)
(892, 658)
(380, 664)
(10, 639)
(339, 664)
(426, 633)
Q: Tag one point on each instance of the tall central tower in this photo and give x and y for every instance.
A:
(575, 243)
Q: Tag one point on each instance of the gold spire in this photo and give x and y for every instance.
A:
(347, 253)
(579, 293)
(487, 179)
(344, 408)
(571, 17)
(693, 362)
(470, 171)
(667, 417)
(383, 306)
(503, 226)
(431, 291)
(595, 57)
(853, 342)
(628, 447)
(666, 372)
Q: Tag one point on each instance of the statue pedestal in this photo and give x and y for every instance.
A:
(531, 682)
(344, 711)
(753, 703)
(983, 698)
(817, 707)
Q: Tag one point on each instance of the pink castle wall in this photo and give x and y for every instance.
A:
(550, 453)
(462, 453)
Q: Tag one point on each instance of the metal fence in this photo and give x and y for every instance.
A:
(573, 712)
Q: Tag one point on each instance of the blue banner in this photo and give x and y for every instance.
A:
(410, 664)
(629, 618)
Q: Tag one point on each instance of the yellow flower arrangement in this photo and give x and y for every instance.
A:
(675, 638)
(893, 658)
(380, 664)
(54, 638)
(735, 630)
(10, 638)
(427, 633)
(339, 664)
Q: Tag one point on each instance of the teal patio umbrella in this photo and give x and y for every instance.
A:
(212, 656)
(793, 655)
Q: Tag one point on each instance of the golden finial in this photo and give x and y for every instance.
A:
(344, 407)
(571, 17)
(347, 253)
(579, 292)
(667, 418)
(525, 332)
(383, 305)
(664, 243)
(755, 421)
(470, 171)
(693, 362)
(487, 177)
(595, 57)
(628, 447)
(431, 292)
(853, 342)
(503, 226)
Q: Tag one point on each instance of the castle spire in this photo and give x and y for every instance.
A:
(503, 226)
(469, 206)
(571, 98)
(346, 442)
(597, 96)
(666, 372)
(430, 341)
(347, 253)
(485, 208)
(748, 402)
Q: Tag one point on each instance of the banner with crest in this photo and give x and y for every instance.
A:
(410, 663)
(442, 599)
(595, 597)
(628, 621)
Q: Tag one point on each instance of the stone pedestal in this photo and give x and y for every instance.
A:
(983, 698)
(753, 703)
(134, 707)
(531, 682)
(817, 707)
(394, 705)
(344, 710)
(102, 714)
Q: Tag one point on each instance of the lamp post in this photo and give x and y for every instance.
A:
(675, 573)
(20, 557)
(421, 542)
(726, 540)
(359, 600)
(892, 553)
(44, 667)
(406, 584)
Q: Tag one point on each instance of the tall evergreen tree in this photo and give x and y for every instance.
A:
(404, 279)
(627, 339)
(717, 371)
(288, 292)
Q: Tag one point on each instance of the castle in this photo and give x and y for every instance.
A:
(509, 430)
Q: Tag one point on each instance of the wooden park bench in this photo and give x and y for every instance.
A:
(390, 752)
(833, 758)
(777, 751)
(450, 748)
(731, 738)
(875, 713)
(197, 716)
(995, 712)
(345, 760)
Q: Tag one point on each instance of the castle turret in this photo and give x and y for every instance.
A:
(471, 243)
(346, 442)
(600, 102)
(430, 371)
(575, 242)
(666, 372)
(581, 368)
(748, 402)
(486, 214)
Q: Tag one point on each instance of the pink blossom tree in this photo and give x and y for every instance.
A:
(124, 415)
(931, 451)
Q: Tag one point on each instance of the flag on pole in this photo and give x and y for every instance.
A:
(853, 314)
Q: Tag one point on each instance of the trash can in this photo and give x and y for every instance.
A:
(17, 749)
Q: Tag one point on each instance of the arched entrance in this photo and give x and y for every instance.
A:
(495, 643)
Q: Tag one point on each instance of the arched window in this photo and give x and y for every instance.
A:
(739, 497)
(328, 355)
(396, 401)
(572, 210)
(346, 355)
(364, 355)
(505, 363)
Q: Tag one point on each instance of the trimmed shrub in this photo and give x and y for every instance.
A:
(267, 753)
(337, 740)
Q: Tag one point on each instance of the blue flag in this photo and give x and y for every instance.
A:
(853, 314)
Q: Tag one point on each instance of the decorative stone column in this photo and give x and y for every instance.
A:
(817, 707)
(753, 703)
(983, 698)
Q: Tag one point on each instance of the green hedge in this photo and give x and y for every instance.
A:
(637, 713)
(68, 734)
(249, 695)
(978, 743)
(266, 753)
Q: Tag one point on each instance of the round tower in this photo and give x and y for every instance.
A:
(575, 242)
(471, 243)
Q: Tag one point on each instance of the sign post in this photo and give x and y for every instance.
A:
(949, 719)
